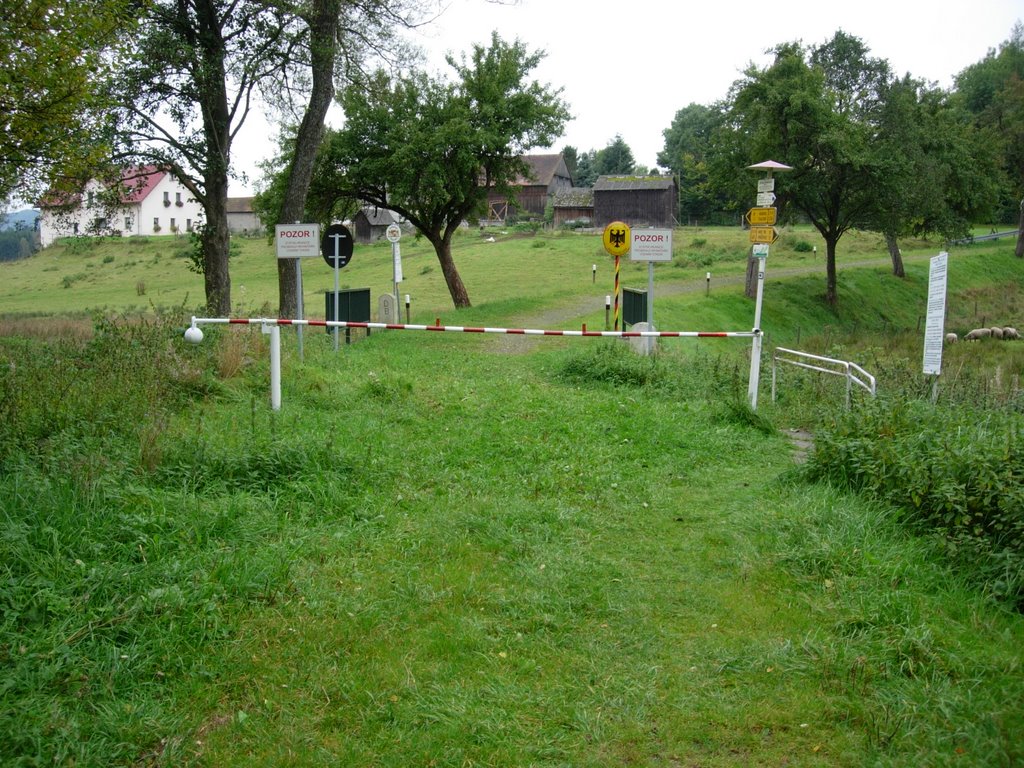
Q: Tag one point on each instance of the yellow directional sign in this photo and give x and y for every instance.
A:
(616, 238)
(761, 216)
(763, 235)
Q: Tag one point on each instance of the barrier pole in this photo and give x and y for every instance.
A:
(275, 367)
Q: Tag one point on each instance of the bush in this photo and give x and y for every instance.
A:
(802, 246)
(955, 473)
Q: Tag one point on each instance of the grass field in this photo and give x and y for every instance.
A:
(450, 550)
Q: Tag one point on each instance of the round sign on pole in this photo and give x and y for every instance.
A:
(616, 238)
(393, 233)
(337, 245)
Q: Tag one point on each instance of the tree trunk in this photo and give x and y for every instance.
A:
(1020, 233)
(831, 291)
(443, 248)
(216, 248)
(895, 255)
(323, 30)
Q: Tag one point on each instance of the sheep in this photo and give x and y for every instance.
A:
(978, 333)
(997, 332)
(1010, 333)
(951, 338)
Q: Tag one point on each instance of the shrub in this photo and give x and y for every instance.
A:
(802, 246)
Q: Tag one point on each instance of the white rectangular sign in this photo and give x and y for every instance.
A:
(766, 185)
(297, 241)
(650, 245)
(765, 199)
(936, 318)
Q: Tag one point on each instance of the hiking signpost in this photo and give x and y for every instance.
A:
(762, 234)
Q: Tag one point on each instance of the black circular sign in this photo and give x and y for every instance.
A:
(336, 245)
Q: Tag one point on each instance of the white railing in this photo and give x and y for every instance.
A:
(852, 372)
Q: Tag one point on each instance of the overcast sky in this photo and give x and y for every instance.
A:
(626, 68)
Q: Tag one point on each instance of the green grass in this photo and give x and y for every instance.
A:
(444, 552)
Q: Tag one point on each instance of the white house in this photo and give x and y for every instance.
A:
(150, 202)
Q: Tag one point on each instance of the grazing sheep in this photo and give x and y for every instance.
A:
(978, 333)
(997, 333)
(1010, 333)
(951, 338)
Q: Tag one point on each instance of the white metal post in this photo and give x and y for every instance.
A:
(298, 303)
(275, 367)
(755, 347)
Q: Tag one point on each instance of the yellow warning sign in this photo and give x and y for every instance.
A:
(616, 238)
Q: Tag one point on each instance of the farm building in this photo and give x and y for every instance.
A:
(574, 205)
(242, 219)
(370, 224)
(546, 176)
(637, 200)
(149, 202)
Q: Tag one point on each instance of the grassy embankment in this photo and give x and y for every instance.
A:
(439, 553)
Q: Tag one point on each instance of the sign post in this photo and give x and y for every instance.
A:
(297, 241)
(762, 237)
(936, 319)
(394, 233)
(650, 245)
(616, 243)
(336, 247)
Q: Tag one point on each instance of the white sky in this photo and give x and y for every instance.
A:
(627, 67)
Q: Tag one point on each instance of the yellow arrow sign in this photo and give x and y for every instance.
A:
(763, 235)
(761, 216)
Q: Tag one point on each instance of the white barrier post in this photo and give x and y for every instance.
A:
(275, 365)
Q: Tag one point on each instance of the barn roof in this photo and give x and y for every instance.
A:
(577, 197)
(239, 205)
(631, 183)
(542, 169)
(378, 217)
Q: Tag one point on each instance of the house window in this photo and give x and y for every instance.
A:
(188, 225)
(91, 199)
(156, 223)
(177, 199)
(75, 228)
(174, 225)
(99, 224)
(127, 223)
(167, 198)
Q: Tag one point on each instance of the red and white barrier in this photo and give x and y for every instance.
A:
(272, 326)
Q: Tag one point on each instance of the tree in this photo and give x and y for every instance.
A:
(616, 159)
(993, 91)
(815, 110)
(336, 36)
(688, 144)
(431, 150)
(184, 89)
(55, 54)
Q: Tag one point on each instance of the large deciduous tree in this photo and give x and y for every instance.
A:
(185, 89)
(688, 144)
(432, 150)
(55, 54)
(816, 110)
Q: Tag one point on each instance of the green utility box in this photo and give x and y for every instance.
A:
(353, 307)
(634, 306)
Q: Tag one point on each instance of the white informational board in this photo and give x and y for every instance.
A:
(650, 245)
(297, 241)
(934, 330)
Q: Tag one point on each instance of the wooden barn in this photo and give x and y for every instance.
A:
(574, 205)
(370, 224)
(640, 201)
(547, 175)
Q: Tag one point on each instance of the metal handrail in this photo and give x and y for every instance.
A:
(852, 372)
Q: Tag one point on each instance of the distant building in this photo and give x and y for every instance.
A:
(242, 219)
(574, 205)
(371, 222)
(650, 201)
(546, 176)
(149, 202)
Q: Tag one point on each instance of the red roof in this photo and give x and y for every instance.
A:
(139, 182)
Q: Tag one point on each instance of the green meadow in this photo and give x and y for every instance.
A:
(466, 550)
